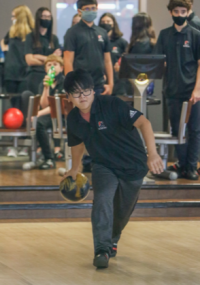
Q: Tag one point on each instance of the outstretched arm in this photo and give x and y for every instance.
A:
(77, 154)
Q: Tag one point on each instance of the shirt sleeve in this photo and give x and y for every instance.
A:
(73, 140)
(6, 39)
(159, 47)
(107, 47)
(125, 44)
(70, 41)
(56, 42)
(126, 115)
(29, 44)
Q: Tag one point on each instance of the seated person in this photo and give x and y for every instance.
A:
(44, 118)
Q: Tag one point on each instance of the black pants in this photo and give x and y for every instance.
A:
(187, 153)
(114, 202)
(16, 87)
(43, 124)
(33, 81)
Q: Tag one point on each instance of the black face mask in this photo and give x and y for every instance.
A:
(179, 20)
(45, 23)
(106, 27)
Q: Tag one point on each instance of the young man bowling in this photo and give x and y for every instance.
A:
(107, 127)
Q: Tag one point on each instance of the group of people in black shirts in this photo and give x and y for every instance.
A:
(106, 125)
(33, 48)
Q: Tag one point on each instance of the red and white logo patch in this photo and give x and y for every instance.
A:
(186, 44)
(100, 38)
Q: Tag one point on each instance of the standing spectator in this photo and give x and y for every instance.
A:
(15, 64)
(193, 19)
(118, 48)
(143, 38)
(87, 46)
(39, 44)
(15, 72)
(181, 45)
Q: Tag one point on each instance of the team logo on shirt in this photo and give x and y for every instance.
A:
(100, 38)
(186, 44)
(101, 126)
(115, 50)
(132, 113)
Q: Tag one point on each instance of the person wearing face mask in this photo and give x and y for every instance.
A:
(118, 48)
(181, 45)
(193, 19)
(39, 44)
(87, 46)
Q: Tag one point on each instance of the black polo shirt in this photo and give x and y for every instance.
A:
(59, 88)
(45, 48)
(89, 45)
(15, 64)
(182, 50)
(194, 21)
(110, 137)
(118, 47)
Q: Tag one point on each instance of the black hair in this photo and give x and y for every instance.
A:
(81, 3)
(36, 31)
(78, 79)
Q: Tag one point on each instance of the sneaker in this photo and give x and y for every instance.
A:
(192, 175)
(101, 260)
(113, 251)
(178, 169)
(59, 156)
(23, 151)
(47, 164)
(12, 152)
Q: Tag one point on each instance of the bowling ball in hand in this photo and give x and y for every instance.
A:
(13, 118)
(75, 190)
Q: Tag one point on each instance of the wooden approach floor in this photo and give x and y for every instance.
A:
(11, 174)
(153, 253)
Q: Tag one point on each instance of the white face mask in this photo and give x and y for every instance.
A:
(14, 21)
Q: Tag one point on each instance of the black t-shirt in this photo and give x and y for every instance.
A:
(15, 64)
(182, 50)
(59, 88)
(45, 48)
(194, 21)
(89, 45)
(110, 137)
(142, 47)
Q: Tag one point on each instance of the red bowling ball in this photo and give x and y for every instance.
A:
(13, 118)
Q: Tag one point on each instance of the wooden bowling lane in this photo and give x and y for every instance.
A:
(155, 253)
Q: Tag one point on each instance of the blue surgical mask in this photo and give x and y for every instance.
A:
(89, 16)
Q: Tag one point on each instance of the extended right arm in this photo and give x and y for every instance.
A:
(77, 154)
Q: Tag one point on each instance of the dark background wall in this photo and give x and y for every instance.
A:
(6, 7)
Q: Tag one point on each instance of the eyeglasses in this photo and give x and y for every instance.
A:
(86, 92)
(90, 9)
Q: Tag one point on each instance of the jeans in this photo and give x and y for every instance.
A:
(187, 153)
(114, 202)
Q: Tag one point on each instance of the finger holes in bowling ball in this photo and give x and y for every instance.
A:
(75, 190)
